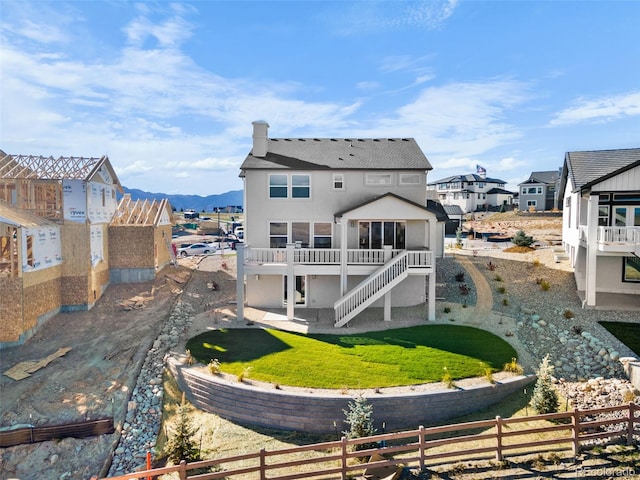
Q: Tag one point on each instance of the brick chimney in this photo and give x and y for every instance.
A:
(260, 138)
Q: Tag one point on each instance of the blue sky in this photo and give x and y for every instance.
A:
(169, 90)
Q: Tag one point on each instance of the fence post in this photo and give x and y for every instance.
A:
(498, 438)
(343, 440)
(575, 430)
(631, 424)
(183, 470)
(422, 446)
(263, 464)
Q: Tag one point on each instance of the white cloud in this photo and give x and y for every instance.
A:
(599, 110)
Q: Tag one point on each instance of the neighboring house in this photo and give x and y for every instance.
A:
(139, 240)
(473, 192)
(55, 216)
(601, 223)
(339, 223)
(540, 191)
(456, 217)
(31, 268)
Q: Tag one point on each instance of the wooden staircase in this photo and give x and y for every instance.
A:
(371, 289)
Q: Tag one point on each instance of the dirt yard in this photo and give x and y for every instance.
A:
(107, 346)
(94, 379)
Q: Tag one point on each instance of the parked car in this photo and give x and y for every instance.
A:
(196, 249)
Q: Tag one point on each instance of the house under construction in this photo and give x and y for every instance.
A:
(64, 237)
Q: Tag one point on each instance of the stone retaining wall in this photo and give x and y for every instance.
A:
(322, 412)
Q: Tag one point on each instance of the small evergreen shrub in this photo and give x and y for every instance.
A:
(545, 397)
(505, 302)
(521, 239)
(502, 290)
(447, 309)
(359, 417)
(497, 278)
(545, 285)
(181, 446)
(460, 277)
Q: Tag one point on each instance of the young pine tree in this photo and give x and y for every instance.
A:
(181, 446)
(359, 417)
(521, 239)
(545, 397)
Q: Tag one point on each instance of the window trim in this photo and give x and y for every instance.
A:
(289, 187)
(370, 176)
(341, 180)
(410, 179)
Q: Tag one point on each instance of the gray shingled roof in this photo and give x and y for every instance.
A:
(590, 167)
(453, 209)
(471, 177)
(340, 153)
(546, 177)
(496, 190)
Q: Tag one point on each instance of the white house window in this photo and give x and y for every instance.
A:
(378, 179)
(376, 234)
(410, 179)
(524, 190)
(300, 233)
(278, 234)
(338, 181)
(631, 269)
(480, 184)
(278, 186)
(321, 235)
(532, 203)
(603, 216)
(300, 186)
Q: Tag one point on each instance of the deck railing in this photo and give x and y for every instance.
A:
(619, 235)
(321, 256)
(497, 439)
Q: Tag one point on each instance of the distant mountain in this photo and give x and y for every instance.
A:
(194, 202)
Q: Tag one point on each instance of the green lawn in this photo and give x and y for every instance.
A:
(402, 356)
(627, 333)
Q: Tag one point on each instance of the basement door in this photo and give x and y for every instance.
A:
(300, 292)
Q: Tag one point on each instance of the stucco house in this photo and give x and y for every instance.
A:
(540, 191)
(339, 223)
(601, 224)
(472, 192)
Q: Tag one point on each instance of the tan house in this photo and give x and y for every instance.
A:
(338, 223)
(601, 225)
